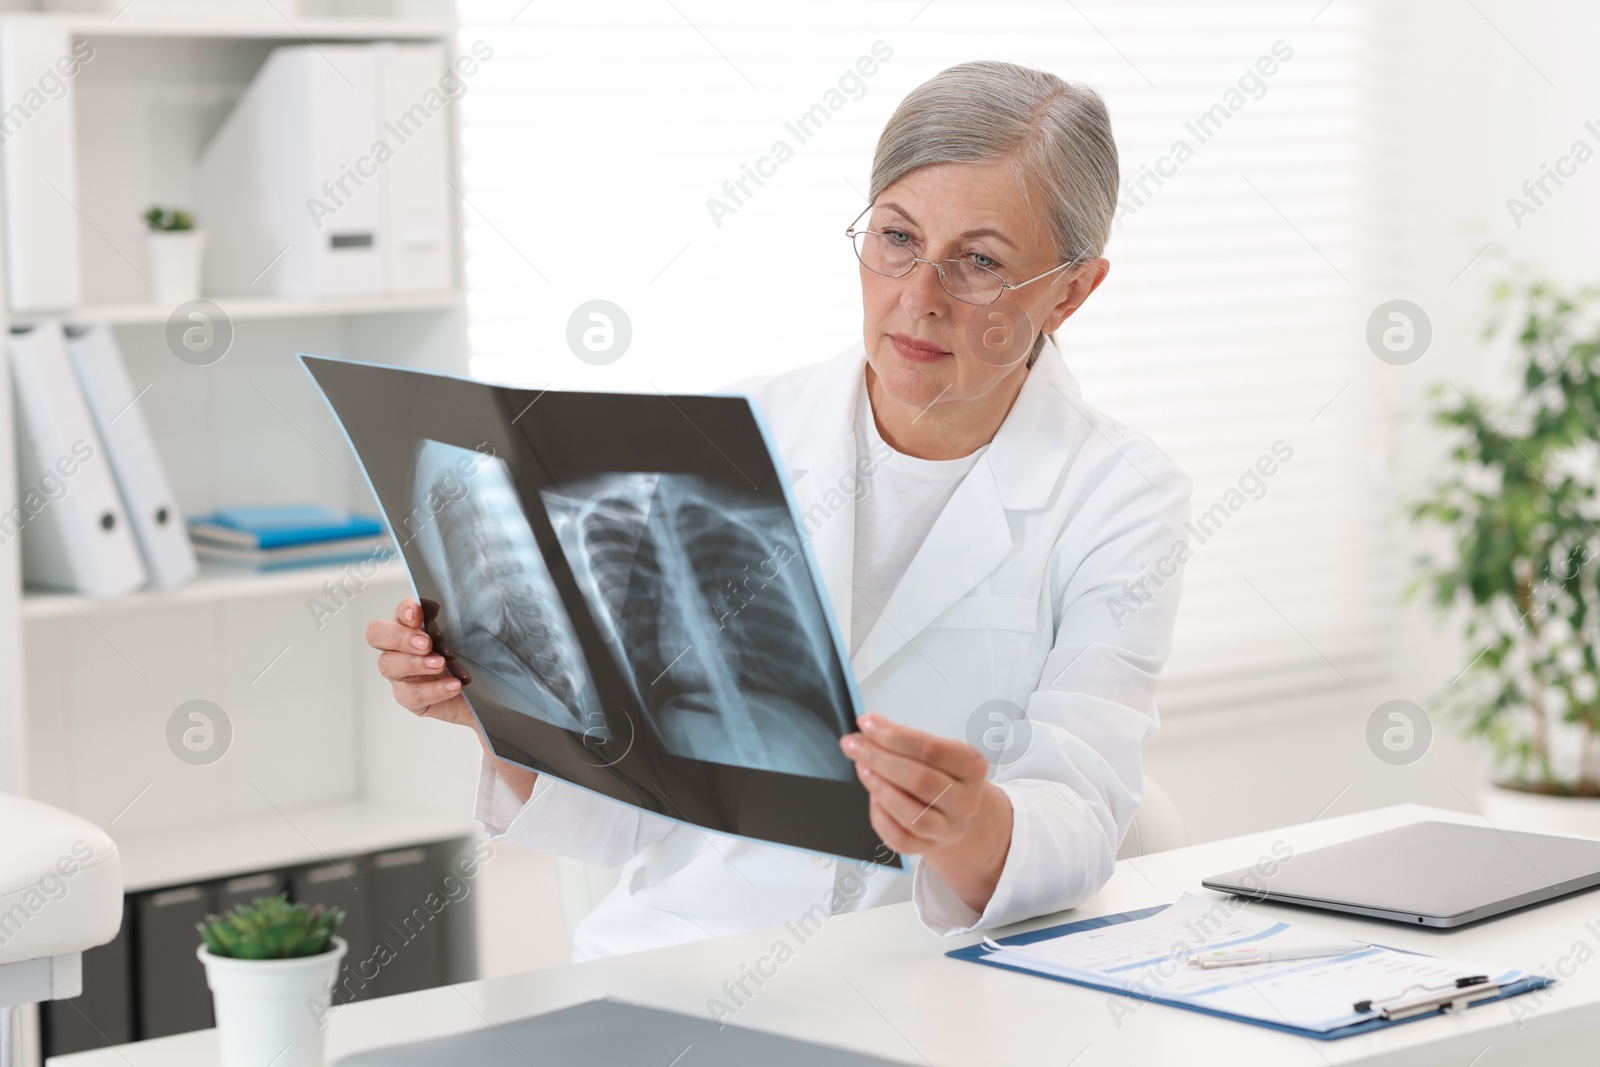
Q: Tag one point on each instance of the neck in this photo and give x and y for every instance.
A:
(947, 429)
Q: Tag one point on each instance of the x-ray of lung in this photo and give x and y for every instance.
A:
(622, 584)
(499, 604)
(706, 609)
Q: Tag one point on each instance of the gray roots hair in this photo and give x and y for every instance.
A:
(1057, 134)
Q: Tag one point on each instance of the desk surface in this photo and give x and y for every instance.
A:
(877, 981)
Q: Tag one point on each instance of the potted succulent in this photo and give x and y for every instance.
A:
(175, 248)
(271, 966)
(1520, 505)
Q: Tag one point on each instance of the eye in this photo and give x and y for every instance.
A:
(899, 237)
(987, 262)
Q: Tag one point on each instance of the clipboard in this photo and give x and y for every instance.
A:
(975, 953)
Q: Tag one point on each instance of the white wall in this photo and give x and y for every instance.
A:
(1464, 107)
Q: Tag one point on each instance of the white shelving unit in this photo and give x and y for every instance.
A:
(247, 308)
(321, 761)
(214, 585)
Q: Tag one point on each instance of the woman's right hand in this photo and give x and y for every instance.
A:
(416, 670)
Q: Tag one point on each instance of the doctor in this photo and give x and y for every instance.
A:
(1000, 556)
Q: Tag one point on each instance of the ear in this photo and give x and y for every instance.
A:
(1079, 282)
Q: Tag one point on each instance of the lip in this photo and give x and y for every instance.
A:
(916, 351)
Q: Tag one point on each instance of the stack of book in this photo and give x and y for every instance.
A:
(296, 535)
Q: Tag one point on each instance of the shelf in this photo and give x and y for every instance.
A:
(297, 29)
(214, 584)
(313, 834)
(245, 308)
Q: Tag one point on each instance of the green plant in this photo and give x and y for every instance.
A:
(270, 928)
(163, 221)
(1520, 504)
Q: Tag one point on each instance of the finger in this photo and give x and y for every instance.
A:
(409, 613)
(956, 758)
(386, 636)
(401, 666)
(893, 834)
(913, 815)
(424, 694)
(921, 780)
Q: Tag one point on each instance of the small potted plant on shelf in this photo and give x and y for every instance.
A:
(1520, 506)
(271, 966)
(175, 250)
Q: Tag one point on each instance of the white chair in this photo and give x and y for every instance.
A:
(60, 893)
(1157, 826)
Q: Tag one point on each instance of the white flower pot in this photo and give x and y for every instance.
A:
(175, 258)
(271, 1011)
(1512, 809)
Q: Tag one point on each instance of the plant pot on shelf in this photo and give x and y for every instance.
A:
(175, 258)
(271, 1011)
(1510, 808)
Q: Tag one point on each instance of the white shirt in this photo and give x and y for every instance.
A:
(897, 503)
(1016, 598)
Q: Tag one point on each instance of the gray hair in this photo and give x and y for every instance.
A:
(1056, 132)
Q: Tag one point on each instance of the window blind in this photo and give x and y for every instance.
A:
(603, 151)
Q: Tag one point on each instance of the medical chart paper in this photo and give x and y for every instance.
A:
(1149, 958)
(623, 586)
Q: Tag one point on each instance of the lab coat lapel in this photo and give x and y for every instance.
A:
(972, 536)
(967, 542)
(821, 453)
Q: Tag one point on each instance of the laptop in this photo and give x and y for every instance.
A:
(613, 1032)
(1434, 873)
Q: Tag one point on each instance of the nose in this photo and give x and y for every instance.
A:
(922, 294)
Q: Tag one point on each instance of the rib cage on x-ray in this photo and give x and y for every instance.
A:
(501, 613)
(717, 626)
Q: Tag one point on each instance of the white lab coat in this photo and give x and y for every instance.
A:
(1010, 598)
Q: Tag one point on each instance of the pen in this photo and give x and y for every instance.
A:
(1239, 957)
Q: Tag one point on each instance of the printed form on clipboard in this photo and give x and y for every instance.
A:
(1327, 995)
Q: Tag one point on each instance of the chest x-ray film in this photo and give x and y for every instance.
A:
(622, 584)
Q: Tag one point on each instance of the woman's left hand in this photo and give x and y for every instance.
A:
(931, 796)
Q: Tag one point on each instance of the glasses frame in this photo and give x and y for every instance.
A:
(850, 231)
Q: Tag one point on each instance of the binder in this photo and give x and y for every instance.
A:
(416, 228)
(344, 885)
(147, 497)
(326, 177)
(173, 997)
(103, 1014)
(41, 168)
(75, 533)
(976, 953)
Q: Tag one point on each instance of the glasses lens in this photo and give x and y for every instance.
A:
(965, 280)
(882, 255)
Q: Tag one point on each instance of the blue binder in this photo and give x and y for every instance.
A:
(975, 954)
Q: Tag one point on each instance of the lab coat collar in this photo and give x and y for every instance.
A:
(1019, 471)
(1025, 458)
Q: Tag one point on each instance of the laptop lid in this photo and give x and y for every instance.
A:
(612, 1032)
(1434, 873)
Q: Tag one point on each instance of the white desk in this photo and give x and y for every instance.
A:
(878, 982)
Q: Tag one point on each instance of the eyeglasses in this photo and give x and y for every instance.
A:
(961, 278)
